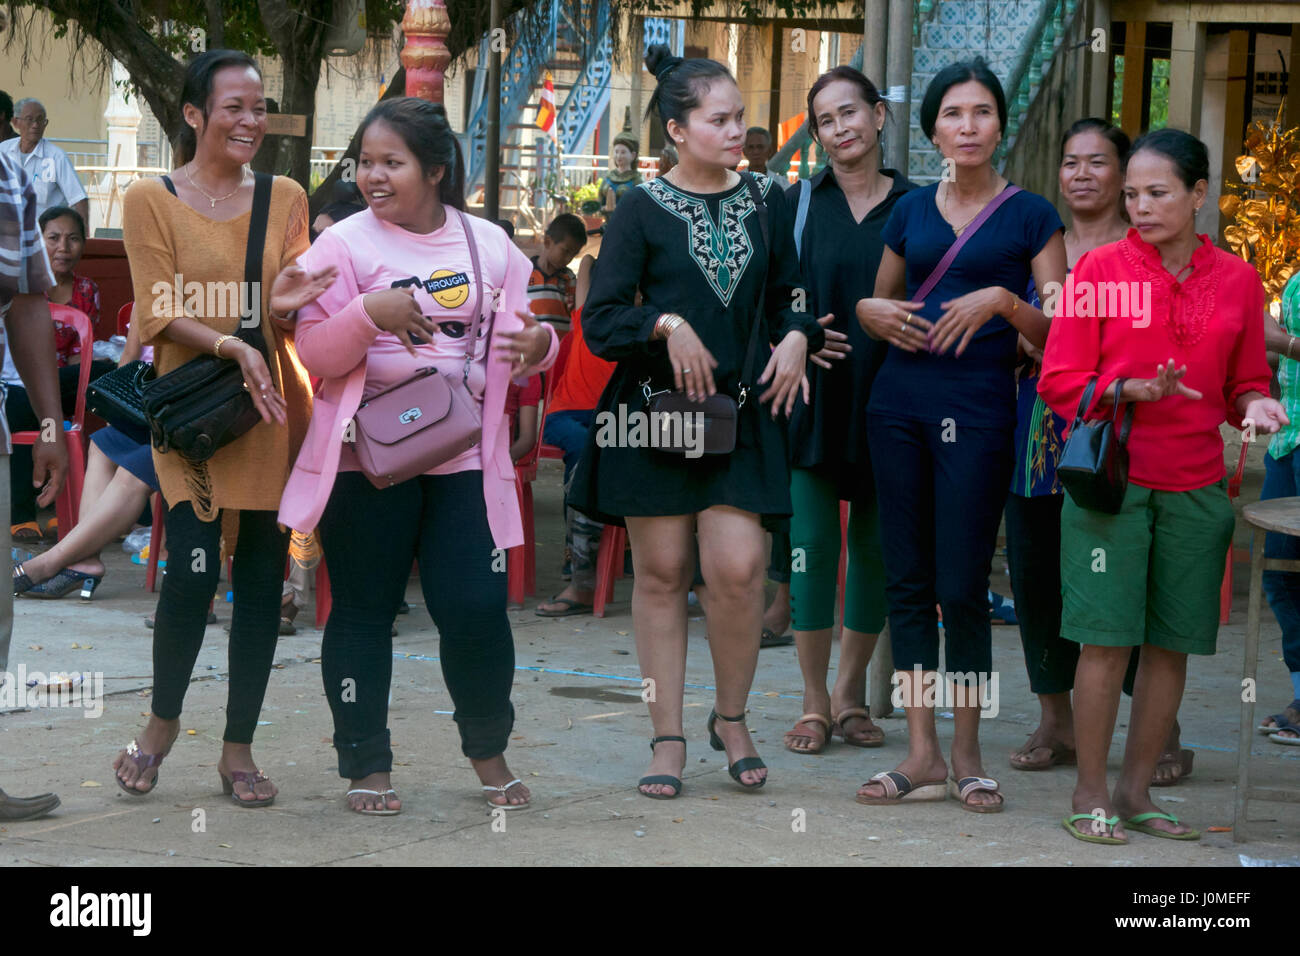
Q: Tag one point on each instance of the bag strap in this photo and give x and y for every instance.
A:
(253, 255)
(478, 295)
(1085, 401)
(801, 214)
(171, 186)
(1129, 412)
(956, 247)
(760, 204)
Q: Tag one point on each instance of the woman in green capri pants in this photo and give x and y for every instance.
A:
(1187, 350)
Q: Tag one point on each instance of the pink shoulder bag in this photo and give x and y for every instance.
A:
(426, 420)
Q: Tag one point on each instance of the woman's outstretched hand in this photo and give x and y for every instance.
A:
(295, 287)
(1168, 381)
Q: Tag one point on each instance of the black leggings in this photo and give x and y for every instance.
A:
(193, 567)
(370, 537)
(1034, 558)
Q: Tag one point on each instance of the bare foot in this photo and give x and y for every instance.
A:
(493, 772)
(240, 757)
(669, 759)
(380, 800)
(156, 738)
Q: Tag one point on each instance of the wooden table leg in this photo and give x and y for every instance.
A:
(1250, 667)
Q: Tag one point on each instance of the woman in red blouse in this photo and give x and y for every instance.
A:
(1175, 326)
(64, 232)
(65, 239)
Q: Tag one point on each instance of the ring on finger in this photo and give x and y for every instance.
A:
(908, 319)
(686, 371)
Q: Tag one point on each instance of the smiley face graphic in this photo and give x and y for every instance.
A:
(449, 289)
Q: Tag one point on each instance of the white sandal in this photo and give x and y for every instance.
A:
(502, 790)
(376, 813)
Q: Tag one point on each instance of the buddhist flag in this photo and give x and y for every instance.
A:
(546, 111)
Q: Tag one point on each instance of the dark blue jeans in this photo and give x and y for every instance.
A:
(1282, 480)
(940, 506)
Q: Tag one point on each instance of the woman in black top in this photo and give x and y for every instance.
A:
(847, 206)
(693, 242)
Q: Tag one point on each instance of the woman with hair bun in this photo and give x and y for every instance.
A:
(192, 227)
(695, 244)
(416, 274)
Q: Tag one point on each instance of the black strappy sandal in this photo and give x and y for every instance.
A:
(664, 779)
(744, 763)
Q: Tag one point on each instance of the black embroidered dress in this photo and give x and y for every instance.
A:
(702, 257)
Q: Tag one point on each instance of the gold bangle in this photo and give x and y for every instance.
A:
(1015, 303)
(221, 340)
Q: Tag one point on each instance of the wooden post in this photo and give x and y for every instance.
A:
(1186, 76)
(425, 54)
(1135, 55)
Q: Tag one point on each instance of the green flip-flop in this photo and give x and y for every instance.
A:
(1139, 824)
(1068, 823)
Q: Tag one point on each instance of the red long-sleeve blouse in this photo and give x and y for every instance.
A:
(1122, 314)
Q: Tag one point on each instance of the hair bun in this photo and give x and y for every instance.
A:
(659, 60)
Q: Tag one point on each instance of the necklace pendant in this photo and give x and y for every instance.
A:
(212, 203)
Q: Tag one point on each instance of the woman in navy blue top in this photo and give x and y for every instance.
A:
(941, 423)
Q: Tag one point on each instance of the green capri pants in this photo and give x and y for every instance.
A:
(1148, 575)
(815, 558)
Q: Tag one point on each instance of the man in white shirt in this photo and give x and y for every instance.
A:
(25, 276)
(47, 166)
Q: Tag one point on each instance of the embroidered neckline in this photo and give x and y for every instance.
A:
(722, 247)
(1185, 307)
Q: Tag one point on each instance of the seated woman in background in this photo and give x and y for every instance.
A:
(119, 479)
(65, 237)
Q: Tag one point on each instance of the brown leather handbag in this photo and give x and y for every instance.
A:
(427, 419)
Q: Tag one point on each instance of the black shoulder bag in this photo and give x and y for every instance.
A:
(1094, 462)
(674, 415)
(203, 405)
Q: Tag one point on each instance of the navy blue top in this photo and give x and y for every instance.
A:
(977, 390)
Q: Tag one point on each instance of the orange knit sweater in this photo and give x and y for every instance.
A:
(164, 239)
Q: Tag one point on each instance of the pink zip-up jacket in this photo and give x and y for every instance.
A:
(337, 342)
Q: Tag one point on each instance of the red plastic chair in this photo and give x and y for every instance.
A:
(1234, 554)
(521, 562)
(68, 504)
(124, 318)
(609, 566)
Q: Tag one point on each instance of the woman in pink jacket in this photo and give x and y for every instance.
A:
(404, 300)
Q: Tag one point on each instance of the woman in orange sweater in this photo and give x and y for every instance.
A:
(191, 231)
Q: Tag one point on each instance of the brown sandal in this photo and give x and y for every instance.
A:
(1059, 755)
(837, 728)
(813, 719)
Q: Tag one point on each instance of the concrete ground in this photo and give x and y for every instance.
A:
(579, 744)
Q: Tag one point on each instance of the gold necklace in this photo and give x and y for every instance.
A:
(957, 229)
(212, 202)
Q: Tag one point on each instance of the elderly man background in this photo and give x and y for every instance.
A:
(24, 278)
(47, 166)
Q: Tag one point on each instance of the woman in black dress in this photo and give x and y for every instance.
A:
(693, 242)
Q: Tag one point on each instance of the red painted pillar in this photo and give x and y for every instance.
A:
(425, 54)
